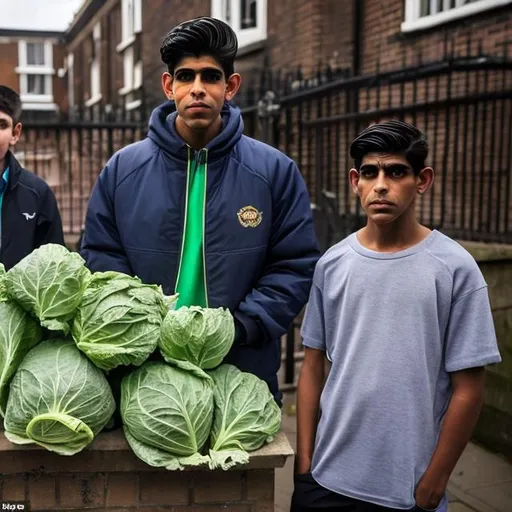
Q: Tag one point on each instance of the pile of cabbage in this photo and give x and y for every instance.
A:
(64, 329)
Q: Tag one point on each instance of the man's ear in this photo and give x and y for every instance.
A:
(425, 179)
(353, 177)
(16, 134)
(233, 83)
(167, 81)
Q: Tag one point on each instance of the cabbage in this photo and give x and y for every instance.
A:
(119, 320)
(245, 417)
(58, 399)
(3, 289)
(167, 414)
(197, 336)
(18, 334)
(49, 284)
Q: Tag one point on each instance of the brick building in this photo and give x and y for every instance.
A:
(29, 63)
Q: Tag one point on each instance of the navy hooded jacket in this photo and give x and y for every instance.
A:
(263, 274)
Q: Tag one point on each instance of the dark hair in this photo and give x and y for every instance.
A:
(10, 103)
(201, 36)
(391, 137)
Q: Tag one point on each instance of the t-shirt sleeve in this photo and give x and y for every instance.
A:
(470, 336)
(313, 325)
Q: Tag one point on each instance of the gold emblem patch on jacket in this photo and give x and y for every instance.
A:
(249, 217)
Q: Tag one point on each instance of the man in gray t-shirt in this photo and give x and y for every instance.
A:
(403, 314)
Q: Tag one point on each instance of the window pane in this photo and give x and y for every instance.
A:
(35, 54)
(35, 84)
(226, 11)
(248, 12)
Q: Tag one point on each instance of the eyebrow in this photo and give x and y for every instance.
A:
(198, 70)
(386, 167)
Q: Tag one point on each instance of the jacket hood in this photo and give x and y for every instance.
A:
(162, 131)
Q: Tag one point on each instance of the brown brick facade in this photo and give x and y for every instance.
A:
(108, 477)
(8, 63)
(384, 42)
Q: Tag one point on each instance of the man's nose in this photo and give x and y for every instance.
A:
(197, 86)
(381, 182)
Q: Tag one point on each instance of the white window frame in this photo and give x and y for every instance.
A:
(131, 17)
(36, 101)
(131, 23)
(246, 36)
(414, 21)
(70, 64)
(95, 68)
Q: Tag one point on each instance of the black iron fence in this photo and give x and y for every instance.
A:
(462, 101)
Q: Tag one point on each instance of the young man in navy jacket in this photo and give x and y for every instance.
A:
(29, 216)
(203, 210)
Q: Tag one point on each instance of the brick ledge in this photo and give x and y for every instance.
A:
(110, 452)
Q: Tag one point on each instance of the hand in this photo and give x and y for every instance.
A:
(302, 466)
(429, 493)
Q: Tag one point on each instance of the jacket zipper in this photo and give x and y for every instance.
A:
(204, 222)
(184, 222)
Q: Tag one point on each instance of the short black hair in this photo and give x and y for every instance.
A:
(391, 137)
(10, 103)
(201, 36)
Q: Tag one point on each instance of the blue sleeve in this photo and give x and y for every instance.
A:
(313, 325)
(470, 337)
(282, 290)
(101, 245)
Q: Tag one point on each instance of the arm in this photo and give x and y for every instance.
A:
(458, 425)
(283, 288)
(49, 224)
(101, 245)
(309, 389)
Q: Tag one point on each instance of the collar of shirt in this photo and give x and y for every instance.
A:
(4, 181)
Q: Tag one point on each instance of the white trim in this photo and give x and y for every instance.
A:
(95, 65)
(125, 44)
(137, 16)
(413, 20)
(137, 75)
(124, 91)
(132, 105)
(128, 65)
(92, 101)
(34, 70)
(37, 98)
(70, 63)
(27, 105)
(246, 36)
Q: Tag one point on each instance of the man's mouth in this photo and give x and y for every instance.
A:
(198, 105)
(382, 202)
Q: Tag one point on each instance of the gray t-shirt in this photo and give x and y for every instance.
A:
(394, 325)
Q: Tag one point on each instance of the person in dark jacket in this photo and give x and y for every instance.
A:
(29, 216)
(204, 211)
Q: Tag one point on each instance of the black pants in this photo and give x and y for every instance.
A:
(310, 496)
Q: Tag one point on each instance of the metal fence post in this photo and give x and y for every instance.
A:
(269, 110)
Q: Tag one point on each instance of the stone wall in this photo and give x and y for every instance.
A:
(495, 426)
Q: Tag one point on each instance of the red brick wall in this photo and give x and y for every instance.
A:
(8, 62)
(157, 20)
(233, 491)
(383, 40)
(60, 95)
(111, 62)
